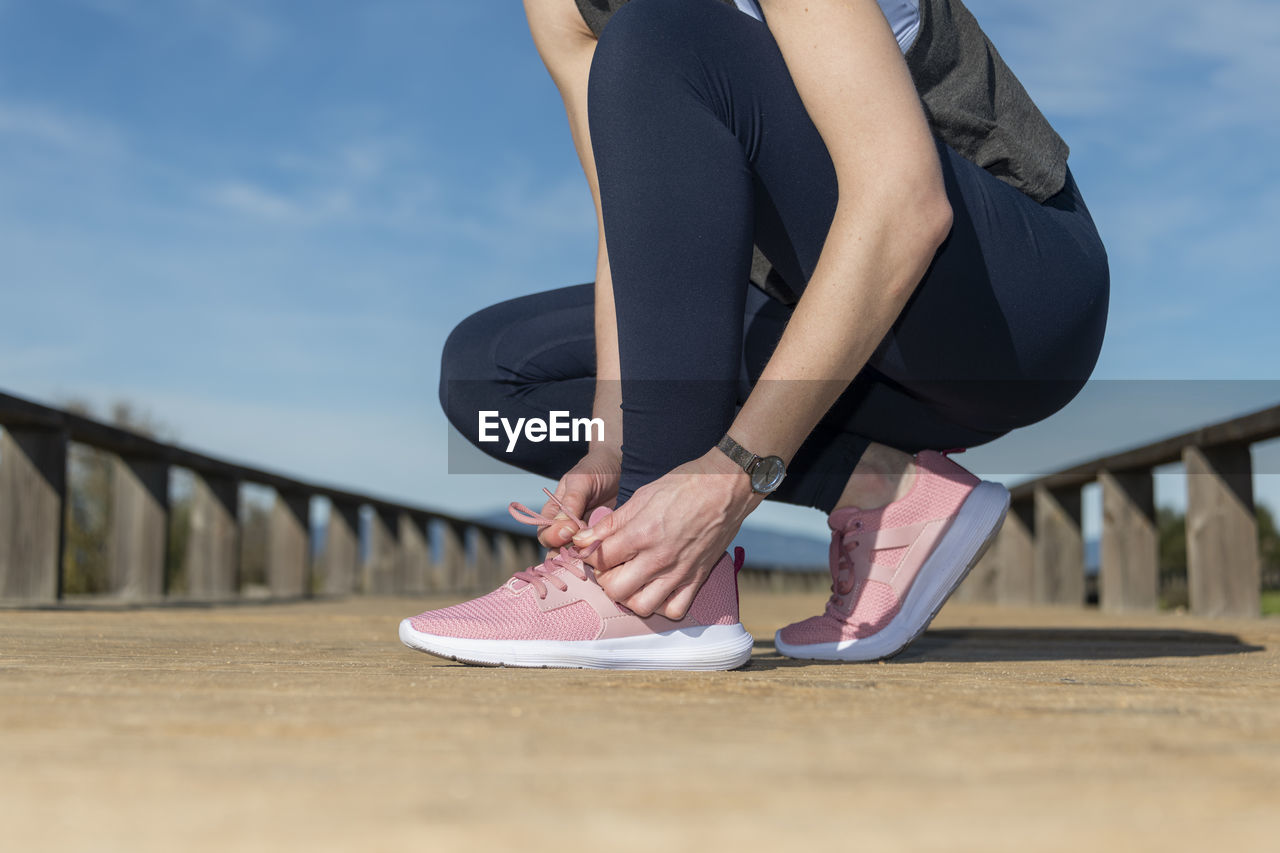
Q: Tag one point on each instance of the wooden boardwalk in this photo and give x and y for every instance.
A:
(309, 727)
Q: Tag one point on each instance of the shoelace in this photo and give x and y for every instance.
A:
(843, 582)
(568, 557)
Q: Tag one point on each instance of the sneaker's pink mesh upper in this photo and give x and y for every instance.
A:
(717, 601)
(940, 488)
(506, 615)
(876, 607)
(512, 611)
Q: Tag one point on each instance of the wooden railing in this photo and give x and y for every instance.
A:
(1038, 556)
(406, 549)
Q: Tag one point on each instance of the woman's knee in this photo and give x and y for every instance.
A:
(499, 351)
(467, 366)
(653, 36)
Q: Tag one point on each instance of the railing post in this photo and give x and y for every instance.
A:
(382, 565)
(507, 554)
(528, 552)
(486, 564)
(1003, 575)
(33, 489)
(448, 570)
(1129, 577)
(139, 533)
(1059, 547)
(1016, 555)
(415, 555)
(289, 545)
(1223, 571)
(980, 586)
(341, 549)
(213, 547)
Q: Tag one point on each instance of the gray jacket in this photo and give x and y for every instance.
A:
(974, 103)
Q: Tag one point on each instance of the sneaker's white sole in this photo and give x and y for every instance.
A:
(959, 550)
(703, 648)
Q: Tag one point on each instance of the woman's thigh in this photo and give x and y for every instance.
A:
(1003, 329)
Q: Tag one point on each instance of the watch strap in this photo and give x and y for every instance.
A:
(739, 454)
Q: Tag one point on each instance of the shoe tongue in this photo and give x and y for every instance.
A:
(597, 514)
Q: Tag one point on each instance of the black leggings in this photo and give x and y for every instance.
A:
(703, 148)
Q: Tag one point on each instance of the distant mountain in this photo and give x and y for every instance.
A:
(765, 547)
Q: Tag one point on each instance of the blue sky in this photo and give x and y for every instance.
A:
(259, 220)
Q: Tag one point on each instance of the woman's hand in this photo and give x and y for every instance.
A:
(656, 550)
(591, 483)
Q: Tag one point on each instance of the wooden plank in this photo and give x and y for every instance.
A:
(1130, 573)
(289, 546)
(415, 555)
(1223, 566)
(33, 488)
(213, 546)
(138, 536)
(1059, 548)
(1244, 430)
(382, 563)
(341, 556)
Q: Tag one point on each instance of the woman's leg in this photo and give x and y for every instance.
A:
(523, 358)
(702, 146)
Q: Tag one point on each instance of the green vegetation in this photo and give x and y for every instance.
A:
(85, 566)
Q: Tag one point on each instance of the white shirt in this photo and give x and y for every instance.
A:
(903, 17)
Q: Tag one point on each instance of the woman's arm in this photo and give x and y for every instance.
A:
(890, 219)
(566, 45)
(891, 216)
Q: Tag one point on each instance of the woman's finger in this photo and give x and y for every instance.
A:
(620, 547)
(679, 602)
(648, 599)
(602, 529)
(558, 533)
(625, 580)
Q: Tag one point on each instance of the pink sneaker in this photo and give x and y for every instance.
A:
(894, 567)
(556, 615)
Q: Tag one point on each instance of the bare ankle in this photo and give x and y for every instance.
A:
(882, 476)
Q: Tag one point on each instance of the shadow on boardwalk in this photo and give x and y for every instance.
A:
(957, 645)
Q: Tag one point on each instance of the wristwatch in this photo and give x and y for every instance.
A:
(766, 472)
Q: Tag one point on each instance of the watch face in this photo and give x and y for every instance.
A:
(767, 474)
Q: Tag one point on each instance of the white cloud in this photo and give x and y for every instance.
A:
(248, 199)
(49, 127)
